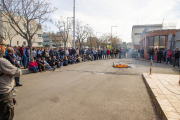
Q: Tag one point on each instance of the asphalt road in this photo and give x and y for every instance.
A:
(91, 90)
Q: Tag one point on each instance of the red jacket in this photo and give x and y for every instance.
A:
(107, 51)
(169, 54)
(31, 64)
(21, 50)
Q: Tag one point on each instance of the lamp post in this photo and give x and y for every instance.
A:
(74, 25)
(111, 35)
(68, 28)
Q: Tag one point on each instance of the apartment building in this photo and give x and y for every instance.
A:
(17, 40)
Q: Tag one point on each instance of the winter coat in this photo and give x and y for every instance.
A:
(169, 54)
(31, 64)
(10, 58)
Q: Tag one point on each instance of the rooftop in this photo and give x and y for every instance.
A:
(147, 25)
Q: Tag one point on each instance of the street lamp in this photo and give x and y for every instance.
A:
(111, 35)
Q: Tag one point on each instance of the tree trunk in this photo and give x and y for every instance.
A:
(64, 49)
(30, 44)
(10, 42)
(80, 45)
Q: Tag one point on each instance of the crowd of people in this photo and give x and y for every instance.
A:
(168, 56)
(52, 58)
(45, 58)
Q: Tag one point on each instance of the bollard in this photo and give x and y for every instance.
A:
(150, 65)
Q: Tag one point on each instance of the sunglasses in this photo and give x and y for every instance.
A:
(3, 44)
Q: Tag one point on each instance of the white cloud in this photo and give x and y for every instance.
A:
(102, 14)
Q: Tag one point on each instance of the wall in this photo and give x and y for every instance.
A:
(157, 33)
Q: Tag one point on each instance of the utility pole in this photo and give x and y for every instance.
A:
(68, 29)
(74, 25)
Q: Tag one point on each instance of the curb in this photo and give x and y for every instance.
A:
(155, 101)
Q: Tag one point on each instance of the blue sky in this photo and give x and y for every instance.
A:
(102, 14)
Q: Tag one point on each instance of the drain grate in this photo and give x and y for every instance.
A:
(114, 73)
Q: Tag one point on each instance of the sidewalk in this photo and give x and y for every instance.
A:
(165, 92)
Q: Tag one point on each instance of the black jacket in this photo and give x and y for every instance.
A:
(159, 53)
(40, 63)
(50, 62)
(151, 52)
(54, 60)
(176, 54)
(10, 58)
(73, 51)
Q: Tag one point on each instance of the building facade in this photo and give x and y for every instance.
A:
(48, 41)
(15, 39)
(158, 39)
(137, 30)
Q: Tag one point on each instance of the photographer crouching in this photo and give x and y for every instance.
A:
(7, 71)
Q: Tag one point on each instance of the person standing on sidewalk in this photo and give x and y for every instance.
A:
(176, 57)
(151, 53)
(120, 53)
(108, 52)
(26, 57)
(21, 54)
(169, 54)
(159, 55)
(7, 71)
(104, 53)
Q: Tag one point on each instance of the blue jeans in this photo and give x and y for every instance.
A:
(57, 56)
(168, 60)
(100, 56)
(34, 69)
(24, 61)
(62, 56)
(150, 56)
(49, 67)
(104, 55)
(91, 56)
(21, 61)
(28, 61)
(119, 55)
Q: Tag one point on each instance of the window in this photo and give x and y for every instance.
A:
(156, 41)
(24, 26)
(17, 42)
(150, 42)
(24, 43)
(162, 42)
(30, 26)
(39, 35)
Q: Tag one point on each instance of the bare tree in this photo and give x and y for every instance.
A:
(116, 41)
(26, 16)
(90, 39)
(56, 38)
(81, 32)
(8, 32)
(105, 38)
(63, 27)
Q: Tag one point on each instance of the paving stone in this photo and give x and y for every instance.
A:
(166, 89)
